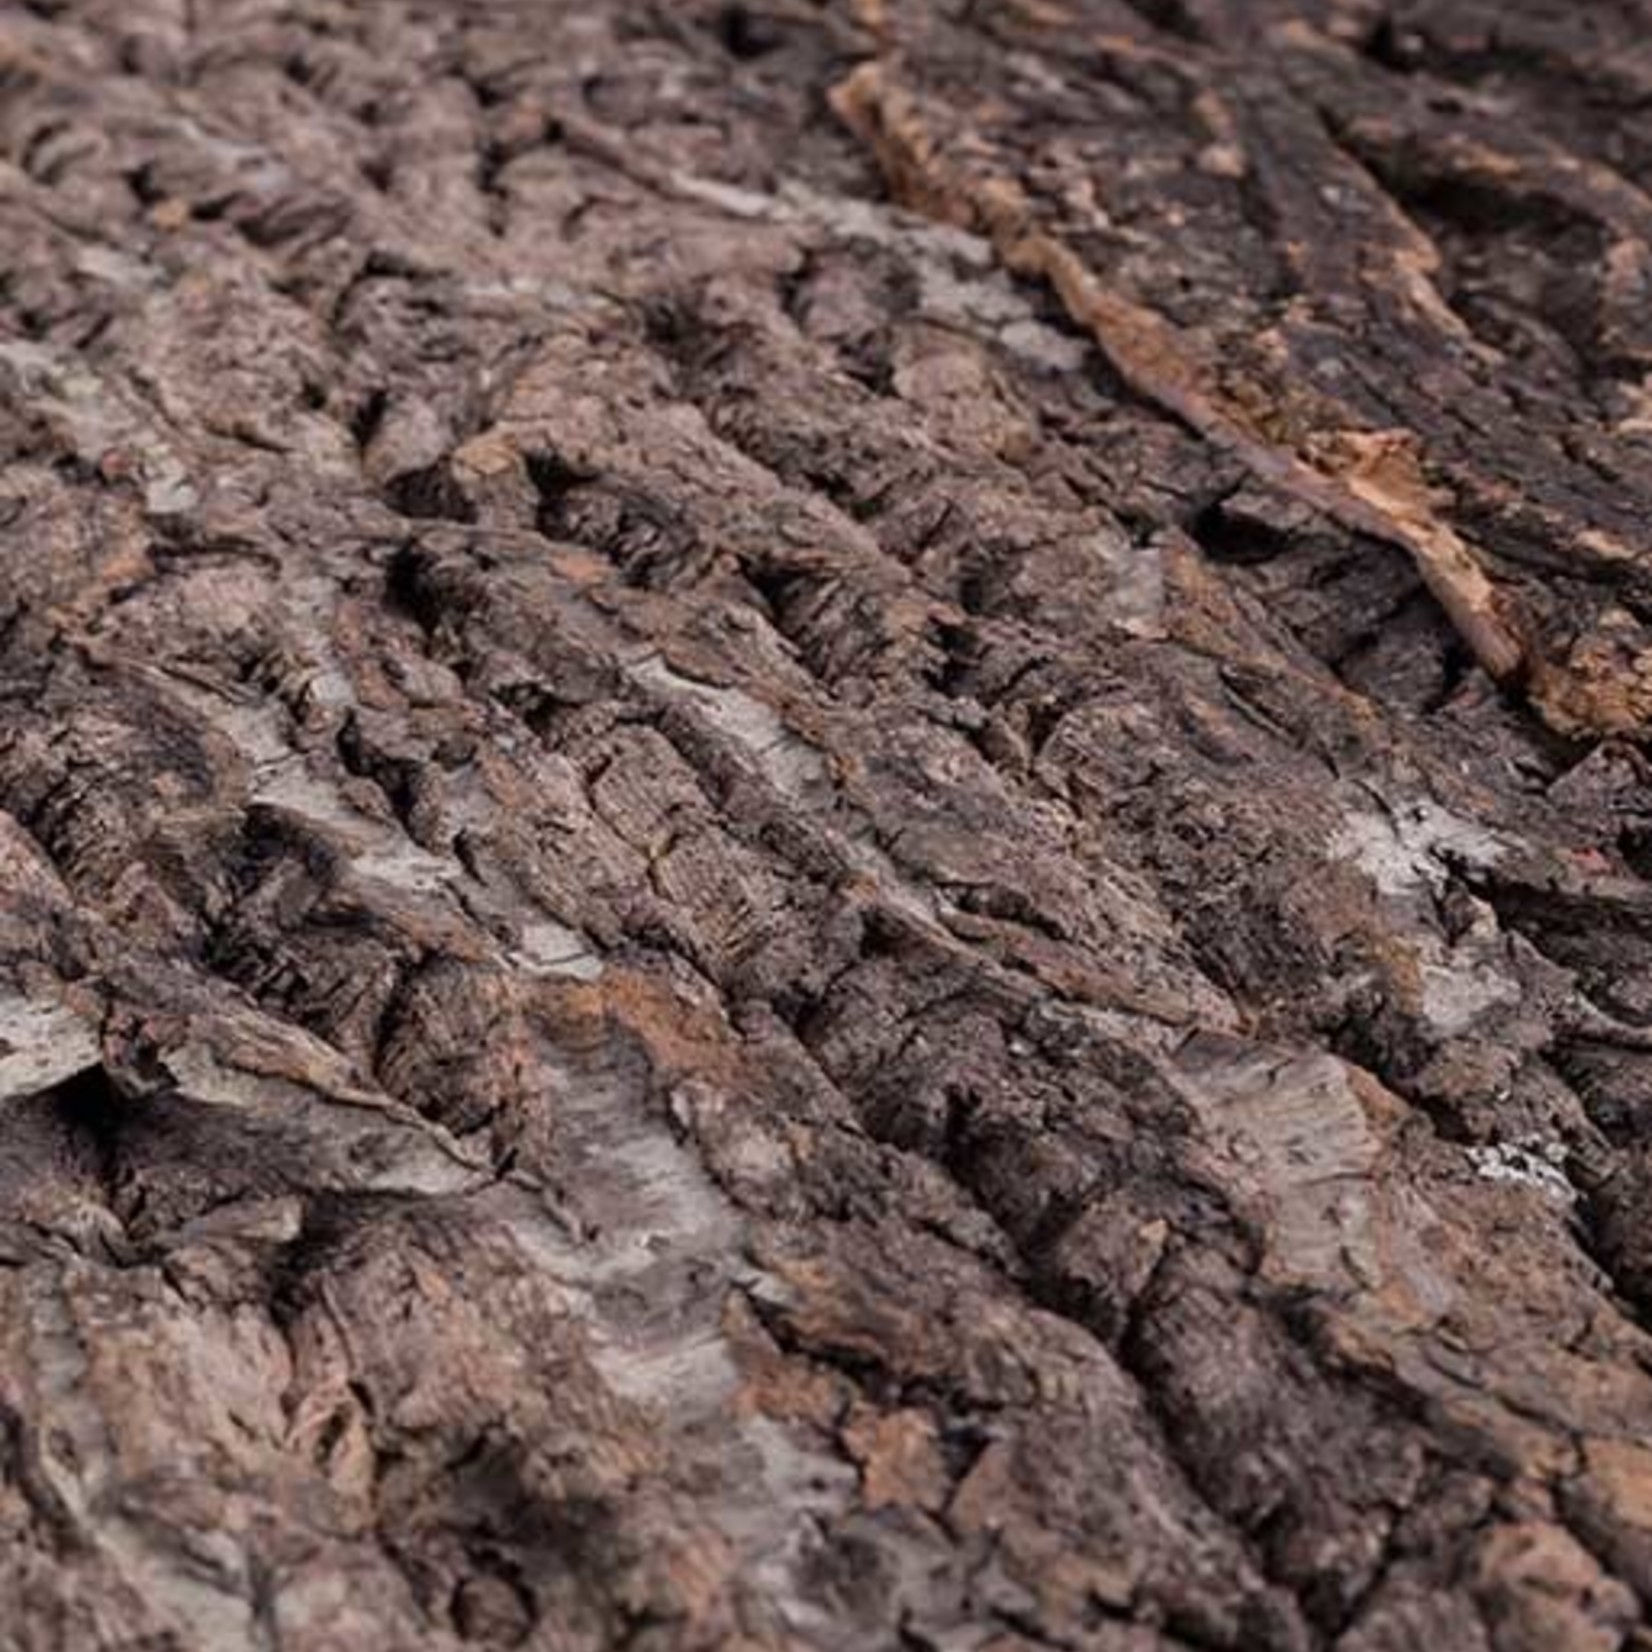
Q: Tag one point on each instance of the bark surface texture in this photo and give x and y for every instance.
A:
(822, 826)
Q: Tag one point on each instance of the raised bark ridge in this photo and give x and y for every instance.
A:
(760, 883)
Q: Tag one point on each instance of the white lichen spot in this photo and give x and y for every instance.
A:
(41, 1044)
(1529, 1162)
(787, 762)
(546, 947)
(1044, 346)
(1136, 603)
(1457, 993)
(99, 417)
(1414, 846)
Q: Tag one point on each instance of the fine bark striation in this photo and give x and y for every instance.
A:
(823, 825)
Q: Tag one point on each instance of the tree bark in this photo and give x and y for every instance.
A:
(825, 825)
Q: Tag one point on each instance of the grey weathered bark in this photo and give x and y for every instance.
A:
(824, 825)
